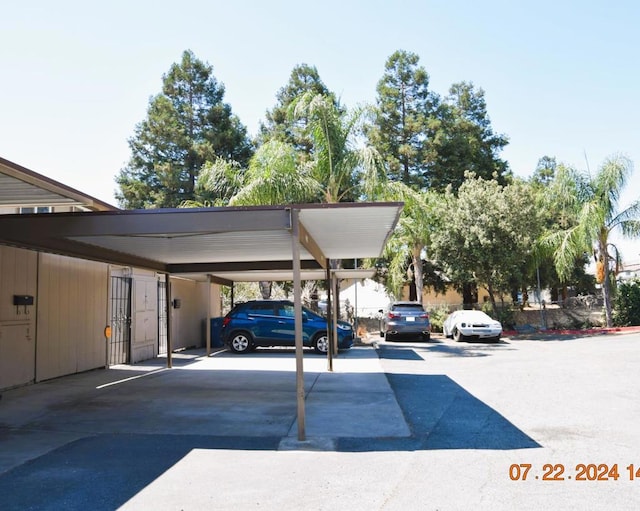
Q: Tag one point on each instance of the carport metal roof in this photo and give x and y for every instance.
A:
(209, 240)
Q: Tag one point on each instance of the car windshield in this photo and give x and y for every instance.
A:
(472, 315)
(288, 310)
(477, 315)
(312, 314)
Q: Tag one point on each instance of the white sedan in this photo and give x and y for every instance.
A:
(465, 324)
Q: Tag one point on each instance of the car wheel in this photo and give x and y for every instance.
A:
(426, 337)
(240, 342)
(321, 343)
(388, 337)
(496, 338)
(457, 335)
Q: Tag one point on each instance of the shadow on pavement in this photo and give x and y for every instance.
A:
(463, 349)
(245, 410)
(103, 472)
(443, 415)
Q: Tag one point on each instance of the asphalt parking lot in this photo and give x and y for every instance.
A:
(522, 424)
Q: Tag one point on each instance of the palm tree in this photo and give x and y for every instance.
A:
(274, 177)
(410, 238)
(338, 170)
(217, 182)
(337, 162)
(592, 203)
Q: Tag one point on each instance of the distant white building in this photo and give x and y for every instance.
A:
(629, 272)
(366, 297)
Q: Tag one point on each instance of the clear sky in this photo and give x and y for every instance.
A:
(560, 77)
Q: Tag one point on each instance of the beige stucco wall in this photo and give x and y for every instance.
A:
(188, 321)
(18, 276)
(72, 315)
(63, 332)
(451, 298)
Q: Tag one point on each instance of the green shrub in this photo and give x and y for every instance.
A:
(626, 307)
(506, 315)
(437, 315)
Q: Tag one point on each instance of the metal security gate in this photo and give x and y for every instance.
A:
(162, 318)
(120, 345)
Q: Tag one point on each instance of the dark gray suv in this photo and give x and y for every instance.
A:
(406, 320)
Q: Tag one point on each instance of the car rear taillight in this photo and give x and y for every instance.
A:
(393, 316)
(425, 315)
(226, 320)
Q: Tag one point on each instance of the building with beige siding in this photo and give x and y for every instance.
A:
(62, 315)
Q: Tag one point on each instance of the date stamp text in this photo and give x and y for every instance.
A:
(579, 472)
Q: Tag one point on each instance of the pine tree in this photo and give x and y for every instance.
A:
(400, 126)
(280, 124)
(187, 125)
(462, 140)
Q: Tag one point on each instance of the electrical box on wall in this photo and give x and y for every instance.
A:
(177, 303)
(22, 300)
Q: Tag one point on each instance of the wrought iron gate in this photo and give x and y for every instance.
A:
(162, 318)
(120, 345)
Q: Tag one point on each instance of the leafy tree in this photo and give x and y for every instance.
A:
(399, 129)
(593, 202)
(484, 233)
(463, 140)
(279, 124)
(187, 125)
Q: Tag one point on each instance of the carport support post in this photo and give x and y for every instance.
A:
(297, 302)
(335, 284)
(167, 290)
(208, 325)
(329, 317)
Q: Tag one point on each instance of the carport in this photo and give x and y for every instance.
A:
(332, 278)
(217, 242)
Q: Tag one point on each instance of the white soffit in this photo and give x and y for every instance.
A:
(350, 233)
(211, 248)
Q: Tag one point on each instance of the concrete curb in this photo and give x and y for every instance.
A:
(586, 331)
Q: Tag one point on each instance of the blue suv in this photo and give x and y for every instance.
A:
(271, 323)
